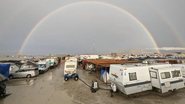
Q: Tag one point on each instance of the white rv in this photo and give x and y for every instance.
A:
(130, 79)
(182, 66)
(50, 61)
(43, 66)
(70, 68)
(89, 57)
(167, 78)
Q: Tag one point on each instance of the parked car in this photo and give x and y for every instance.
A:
(24, 73)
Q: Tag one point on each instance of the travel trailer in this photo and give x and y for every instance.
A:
(182, 66)
(165, 79)
(70, 68)
(130, 79)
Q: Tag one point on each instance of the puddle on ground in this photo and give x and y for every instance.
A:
(20, 82)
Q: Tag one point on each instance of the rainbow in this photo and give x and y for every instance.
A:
(175, 32)
(87, 2)
(170, 25)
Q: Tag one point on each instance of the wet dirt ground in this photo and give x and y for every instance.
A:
(50, 88)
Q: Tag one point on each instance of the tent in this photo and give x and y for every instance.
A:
(4, 71)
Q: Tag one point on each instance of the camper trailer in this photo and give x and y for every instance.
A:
(182, 66)
(70, 68)
(130, 79)
(167, 78)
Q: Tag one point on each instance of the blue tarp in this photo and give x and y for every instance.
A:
(104, 74)
(4, 70)
(102, 71)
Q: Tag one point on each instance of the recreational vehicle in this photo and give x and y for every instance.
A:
(182, 66)
(43, 66)
(70, 68)
(53, 61)
(130, 79)
(165, 79)
(50, 61)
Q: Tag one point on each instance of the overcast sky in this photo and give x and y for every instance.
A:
(89, 27)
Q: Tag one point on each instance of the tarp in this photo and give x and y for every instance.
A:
(4, 71)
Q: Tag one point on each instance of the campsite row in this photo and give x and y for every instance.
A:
(127, 76)
(131, 77)
(21, 69)
(30, 69)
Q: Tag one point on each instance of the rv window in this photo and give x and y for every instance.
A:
(153, 74)
(42, 65)
(165, 75)
(176, 73)
(132, 76)
(70, 66)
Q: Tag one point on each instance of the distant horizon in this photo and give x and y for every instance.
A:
(139, 51)
(90, 26)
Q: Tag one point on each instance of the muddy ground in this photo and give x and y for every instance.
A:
(50, 88)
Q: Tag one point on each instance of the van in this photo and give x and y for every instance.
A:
(24, 73)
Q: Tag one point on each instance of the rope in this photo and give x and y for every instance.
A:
(90, 86)
(85, 83)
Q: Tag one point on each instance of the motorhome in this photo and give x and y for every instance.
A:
(43, 66)
(70, 68)
(165, 79)
(50, 61)
(130, 79)
(53, 61)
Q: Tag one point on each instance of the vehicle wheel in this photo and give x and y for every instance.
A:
(76, 78)
(4, 92)
(66, 78)
(28, 76)
(11, 77)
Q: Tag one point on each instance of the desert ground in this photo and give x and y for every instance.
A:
(50, 88)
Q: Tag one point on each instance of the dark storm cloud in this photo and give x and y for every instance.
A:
(164, 19)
